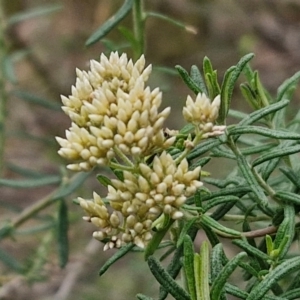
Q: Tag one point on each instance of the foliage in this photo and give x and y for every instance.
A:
(254, 206)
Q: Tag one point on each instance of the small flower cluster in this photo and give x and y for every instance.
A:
(203, 114)
(140, 199)
(114, 115)
(111, 110)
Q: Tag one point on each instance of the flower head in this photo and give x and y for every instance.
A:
(203, 113)
(111, 107)
(139, 199)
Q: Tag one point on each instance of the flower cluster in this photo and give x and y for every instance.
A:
(112, 110)
(115, 115)
(203, 113)
(140, 199)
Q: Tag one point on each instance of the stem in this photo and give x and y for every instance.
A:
(3, 95)
(139, 28)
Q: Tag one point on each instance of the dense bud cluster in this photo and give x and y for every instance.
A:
(140, 199)
(116, 119)
(203, 113)
(111, 107)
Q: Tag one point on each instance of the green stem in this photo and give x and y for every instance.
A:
(124, 158)
(3, 94)
(187, 150)
(139, 28)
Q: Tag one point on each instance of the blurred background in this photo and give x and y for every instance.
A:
(44, 51)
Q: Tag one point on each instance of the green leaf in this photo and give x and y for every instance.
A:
(219, 200)
(239, 191)
(200, 162)
(10, 261)
(156, 239)
(30, 183)
(264, 102)
(286, 85)
(251, 250)
(62, 233)
(105, 181)
(186, 227)
(291, 175)
(217, 260)
(197, 78)
(192, 85)
(235, 291)
(202, 278)
(292, 294)
(31, 98)
(275, 152)
(188, 264)
(203, 147)
(112, 22)
(276, 134)
(257, 149)
(232, 80)
(223, 111)
(261, 113)
(70, 185)
(288, 197)
(222, 210)
(212, 237)
(273, 277)
(286, 232)
(119, 254)
(212, 85)
(249, 95)
(219, 228)
(24, 171)
(251, 180)
(143, 297)
(222, 277)
(129, 36)
(171, 21)
(166, 281)
(175, 265)
(38, 11)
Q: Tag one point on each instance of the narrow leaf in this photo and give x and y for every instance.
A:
(188, 264)
(203, 147)
(62, 234)
(224, 107)
(112, 22)
(219, 228)
(204, 271)
(286, 85)
(251, 250)
(156, 239)
(219, 200)
(197, 78)
(234, 77)
(276, 152)
(38, 100)
(289, 197)
(261, 113)
(105, 181)
(70, 185)
(34, 13)
(143, 297)
(273, 277)
(188, 80)
(30, 183)
(166, 281)
(276, 134)
(119, 254)
(220, 281)
(10, 261)
(186, 227)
